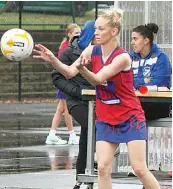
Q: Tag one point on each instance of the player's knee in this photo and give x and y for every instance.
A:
(60, 109)
(139, 170)
(104, 170)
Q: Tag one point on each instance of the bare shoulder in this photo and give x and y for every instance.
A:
(123, 60)
(88, 50)
(127, 60)
(124, 57)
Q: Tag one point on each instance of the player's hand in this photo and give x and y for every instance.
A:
(41, 52)
(83, 61)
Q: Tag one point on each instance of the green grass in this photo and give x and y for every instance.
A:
(41, 21)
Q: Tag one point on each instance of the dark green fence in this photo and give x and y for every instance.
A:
(45, 14)
(35, 75)
(46, 22)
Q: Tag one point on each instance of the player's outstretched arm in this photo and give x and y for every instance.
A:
(43, 53)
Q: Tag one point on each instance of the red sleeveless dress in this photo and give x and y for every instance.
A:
(119, 114)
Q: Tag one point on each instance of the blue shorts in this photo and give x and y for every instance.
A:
(123, 133)
(60, 95)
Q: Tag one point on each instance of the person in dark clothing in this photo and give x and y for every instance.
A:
(52, 138)
(72, 88)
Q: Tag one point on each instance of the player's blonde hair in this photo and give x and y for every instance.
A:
(70, 28)
(114, 17)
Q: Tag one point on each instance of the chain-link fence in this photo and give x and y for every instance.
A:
(46, 21)
(143, 12)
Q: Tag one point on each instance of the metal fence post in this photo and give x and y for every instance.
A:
(73, 12)
(146, 12)
(96, 9)
(19, 63)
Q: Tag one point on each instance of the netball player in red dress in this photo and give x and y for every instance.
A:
(120, 118)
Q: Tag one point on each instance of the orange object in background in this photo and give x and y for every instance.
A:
(170, 174)
(143, 89)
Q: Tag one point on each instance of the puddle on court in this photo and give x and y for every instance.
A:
(23, 149)
(37, 158)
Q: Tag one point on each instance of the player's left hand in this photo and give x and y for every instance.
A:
(83, 61)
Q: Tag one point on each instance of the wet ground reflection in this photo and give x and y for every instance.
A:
(23, 149)
(38, 158)
(21, 130)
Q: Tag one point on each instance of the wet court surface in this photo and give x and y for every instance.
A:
(24, 155)
(23, 149)
(39, 158)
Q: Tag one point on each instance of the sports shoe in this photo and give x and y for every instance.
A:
(131, 173)
(73, 139)
(95, 167)
(53, 140)
(77, 186)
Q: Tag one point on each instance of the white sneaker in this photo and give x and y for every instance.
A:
(131, 172)
(73, 139)
(53, 139)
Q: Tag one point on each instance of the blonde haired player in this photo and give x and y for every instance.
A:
(72, 30)
(120, 118)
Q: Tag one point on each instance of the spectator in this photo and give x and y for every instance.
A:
(77, 107)
(71, 31)
(151, 66)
